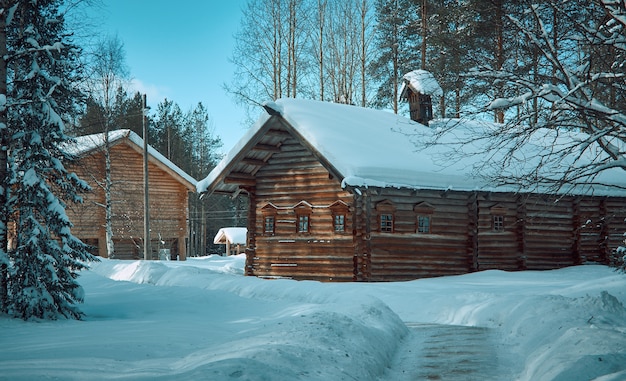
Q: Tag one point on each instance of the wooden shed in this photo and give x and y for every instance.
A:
(234, 238)
(342, 193)
(169, 188)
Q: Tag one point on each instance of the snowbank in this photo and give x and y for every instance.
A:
(202, 319)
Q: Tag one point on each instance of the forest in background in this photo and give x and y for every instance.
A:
(356, 51)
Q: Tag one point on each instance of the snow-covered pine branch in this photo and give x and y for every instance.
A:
(41, 82)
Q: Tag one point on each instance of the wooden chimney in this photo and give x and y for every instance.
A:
(417, 88)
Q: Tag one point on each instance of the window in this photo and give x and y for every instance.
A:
(423, 224)
(303, 223)
(339, 211)
(269, 225)
(386, 223)
(339, 222)
(386, 211)
(498, 223)
(424, 212)
(497, 217)
(269, 212)
(303, 212)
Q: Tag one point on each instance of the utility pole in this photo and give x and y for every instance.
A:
(147, 251)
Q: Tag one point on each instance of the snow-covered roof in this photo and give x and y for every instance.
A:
(87, 144)
(420, 81)
(231, 235)
(373, 148)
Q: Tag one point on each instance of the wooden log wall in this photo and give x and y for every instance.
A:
(294, 178)
(168, 205)
(549, 233)
(406, 254)
(539, 232)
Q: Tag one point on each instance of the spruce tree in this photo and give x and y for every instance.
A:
(41, 79)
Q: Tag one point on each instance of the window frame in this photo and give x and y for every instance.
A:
(385, 222)
(339, 209)
(303, 210)
(266, 217)
(424, 217)
(342, 224)
(303, 222)
(497, 223)
(423, 210)
(386, 213)
(498, 218)
(269, 210)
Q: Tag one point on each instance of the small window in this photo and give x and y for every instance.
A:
(424, 212)
(386, 223)
(269, 212)
(303, 223)
(339, 211)
(498, 223)
(269, 224)
(340, 222)
(303, 211)
(386, 211)
(423, 224)
(498, 212)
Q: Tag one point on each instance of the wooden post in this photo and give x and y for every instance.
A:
(576, 232)
(472, 232)
(251, 249)
(367, 255)
(520, 232)
(147, 251)
(605, 250)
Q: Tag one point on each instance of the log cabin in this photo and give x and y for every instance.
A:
(343, 193)
(169, 188)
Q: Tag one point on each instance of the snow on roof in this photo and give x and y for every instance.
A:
(88, 143)
(231, 235)
(421, 81)
(374, 148)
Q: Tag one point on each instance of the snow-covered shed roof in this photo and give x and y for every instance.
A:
(420, 81)
(231, 235)
(372, 148)
(87, 144)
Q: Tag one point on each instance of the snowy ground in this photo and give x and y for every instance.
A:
(203, 320)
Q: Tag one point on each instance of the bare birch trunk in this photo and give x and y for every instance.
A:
(108, 199)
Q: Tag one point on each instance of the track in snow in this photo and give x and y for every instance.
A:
(447, 353)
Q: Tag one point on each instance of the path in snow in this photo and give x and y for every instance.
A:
(448, 353)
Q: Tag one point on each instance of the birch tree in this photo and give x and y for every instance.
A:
(109, 72)
(268, 54)
(346, 50)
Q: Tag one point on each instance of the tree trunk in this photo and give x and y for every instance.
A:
(108, 202)
(363, 53)
(395, 59)
(424, 31)
(499, 56)
(3, 161)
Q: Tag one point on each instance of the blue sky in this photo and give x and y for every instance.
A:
(180, 50)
